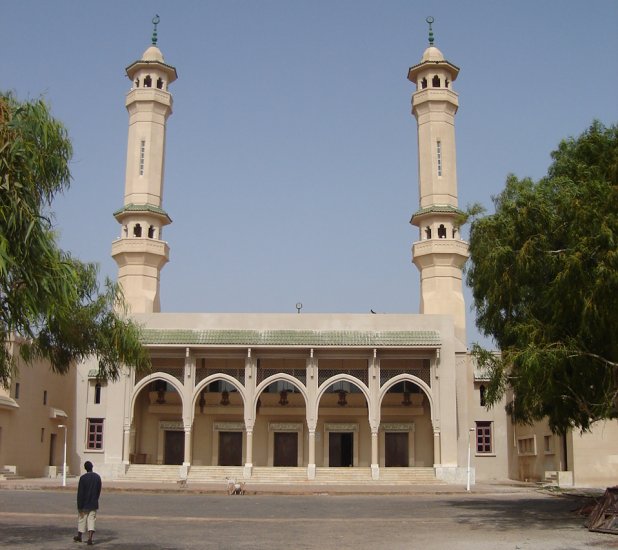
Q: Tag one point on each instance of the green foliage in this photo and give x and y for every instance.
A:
(544, 276)
(49, 300)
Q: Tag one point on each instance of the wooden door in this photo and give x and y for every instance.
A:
(230, 448)
(174, 447)
(396, 449)
(340, 449)
(286, 449)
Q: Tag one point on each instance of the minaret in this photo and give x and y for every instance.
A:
(140, 251)
(439, 254)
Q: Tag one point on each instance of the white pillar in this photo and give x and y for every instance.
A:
(311, 465)
(249, 454)
(437, 461)
(375, 466)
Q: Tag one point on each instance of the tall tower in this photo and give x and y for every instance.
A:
(439, 254)
(140, 251)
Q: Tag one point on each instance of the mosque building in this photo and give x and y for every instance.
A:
(364, 398)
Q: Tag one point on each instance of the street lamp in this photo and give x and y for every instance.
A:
(472, 430)
(64, 455)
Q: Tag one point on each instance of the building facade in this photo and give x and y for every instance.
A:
(295, 396)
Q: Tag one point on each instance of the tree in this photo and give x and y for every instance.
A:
(544, 276)
(49, 301)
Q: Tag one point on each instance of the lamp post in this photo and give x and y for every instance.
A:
(472, 430)
(64, 456)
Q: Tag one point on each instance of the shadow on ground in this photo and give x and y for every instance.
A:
(534, 513)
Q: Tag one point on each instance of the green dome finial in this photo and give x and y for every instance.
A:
(430, 20)
(155, 21)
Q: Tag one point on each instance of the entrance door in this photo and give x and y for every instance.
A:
(174, 447)
(340, 449)
(396, 449)
(52, 450)
(230, 448)
(286, 449)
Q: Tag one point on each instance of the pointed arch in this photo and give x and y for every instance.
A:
(341, 378)
(408, 378)
(280, 377)
(214, 378)
(143, 383)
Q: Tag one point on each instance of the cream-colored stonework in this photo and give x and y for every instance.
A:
(310, 395)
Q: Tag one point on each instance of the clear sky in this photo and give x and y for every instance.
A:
(291, 168)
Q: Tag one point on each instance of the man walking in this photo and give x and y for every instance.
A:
(88, 492)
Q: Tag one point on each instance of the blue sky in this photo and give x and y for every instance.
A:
(291, 168)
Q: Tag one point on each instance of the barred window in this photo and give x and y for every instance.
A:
(483, 437)
(95, 434)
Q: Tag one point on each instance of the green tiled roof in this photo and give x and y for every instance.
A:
(437, 209)
(132, 207)
(309, 338)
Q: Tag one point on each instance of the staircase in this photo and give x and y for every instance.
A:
(7, 474)
(161, 473)
(280, 475)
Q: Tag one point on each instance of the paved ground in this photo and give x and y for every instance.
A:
(489, 517)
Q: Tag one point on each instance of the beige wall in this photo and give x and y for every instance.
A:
(595, 455)
(27, 432)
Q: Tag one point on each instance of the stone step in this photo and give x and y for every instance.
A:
(152, 472)
(274, 475)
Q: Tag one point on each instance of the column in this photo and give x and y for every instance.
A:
(375, 466)
(311, 465)
(249, 453)
(187, 460)
(436, 448)
(126, 446)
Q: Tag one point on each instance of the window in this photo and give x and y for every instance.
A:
(548, 441)
(435, 81)
(482, 395)
(151, 232)
(428, 232)
(44, 397)
(42, 434)
(483, 437)
(148, 82)
(95, 434)
(137, 230)
(441, 232)
(97, 393)
(526, 445)
(142, 156)
(160, 83)
(439, 157)
(16, 390)
(424, 83)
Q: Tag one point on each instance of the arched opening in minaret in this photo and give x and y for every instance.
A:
(137, 230)
(160, 83)
(446, 82)
(424, 83)
(151, 232)
(137, 82)
(148, 82)
(435, 81)
(428, 232)
(454, 232)
(441, 232)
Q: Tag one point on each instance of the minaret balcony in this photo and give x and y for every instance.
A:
(129, 250)
(446, 252)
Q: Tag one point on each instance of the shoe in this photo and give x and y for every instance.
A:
(77, 538)
(89, 542)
